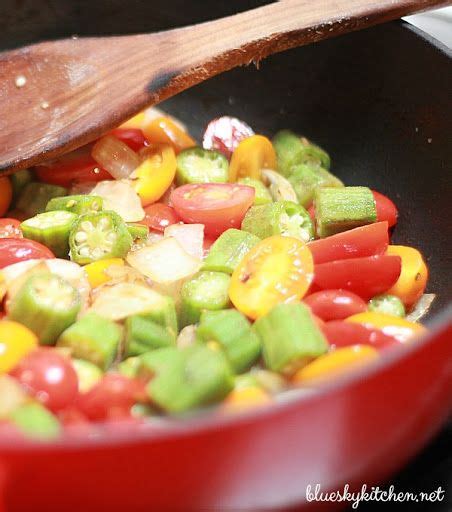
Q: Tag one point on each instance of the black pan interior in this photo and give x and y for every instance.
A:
(378, 100)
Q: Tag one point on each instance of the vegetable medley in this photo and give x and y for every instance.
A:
(144, 275)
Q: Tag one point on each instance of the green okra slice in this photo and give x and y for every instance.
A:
(51, 229)
(88, 374)
(47, 305)
(34, 420)
(19, 180)
(387, 304)
(163, 313)
(233, 332)
(34, 197)
(138, 231)
(143, 335)
(198, 165)
(79, 204)
(262, 194)
(129, 367)
(205, 291)
(228, 250)
(340, 209)
(93, 338)
(188, 378)
(98, 236)
(290, 338)
(305, 179)
(279, 218)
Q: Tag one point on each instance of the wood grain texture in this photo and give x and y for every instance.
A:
(76, 89)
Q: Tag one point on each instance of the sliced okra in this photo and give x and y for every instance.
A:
(387, 304)
(143, 334)
(34, 197)
(197, 165)
(19, 180)
(138, 231)
(262, 194)
(79, 204)
(35, 420)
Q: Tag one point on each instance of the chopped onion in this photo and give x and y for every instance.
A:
(421, 307)
(125, 299)
(280, 189)
(187, 337)
(115, 156)
(190, 237)
(120, 196)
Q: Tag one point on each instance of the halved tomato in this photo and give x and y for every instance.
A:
(386, 209)
(219, 206)
(10, 228)
(133, 137)
(13, 250)
(343, 334)
(335, 304)
(159, 216)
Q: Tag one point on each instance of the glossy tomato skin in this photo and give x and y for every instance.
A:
(10, 228)
(386, 209)
(111, 398)
(49, 376)
(343, 334)
(72, 168)
(133, 137)
(159, 216)
(365, 277)
(224, 134)
(219, 206)
(13, 250)
(335, 304)
(354, 243)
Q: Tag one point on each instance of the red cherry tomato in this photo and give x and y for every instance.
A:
(13, 250)
(355, 243)
(133, 137)
(72, 168)
(366, 277)
(9, 228)
(159, 216)
(219, 206)
(335, 304)
(49, 377)
(342, 334)
(311, 211)
(225, 133)
(112, 397)
(386, 209)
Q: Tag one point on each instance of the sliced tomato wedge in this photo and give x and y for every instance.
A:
(366, 277)
(133, 137)
(224, 134)
(356, 243)
(10, 228)
(13, 250)
(159, 216)
(340, 334)
(386, 209)
(335, 304)
(219, 206)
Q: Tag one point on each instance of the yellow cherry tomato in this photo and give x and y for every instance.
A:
(278, 269)
(413, 276)
(96, 271)
(162, 130)
(155, 174)
(391, 325)
(6, 194)
(246, 398)
(135, 121)
(16, 341)
(336, 362)
(251, 156)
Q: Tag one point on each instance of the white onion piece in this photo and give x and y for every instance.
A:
(190, 237)
(280, 189)
(115, 156)
(120, 196)
(187, 337)
(421, 307)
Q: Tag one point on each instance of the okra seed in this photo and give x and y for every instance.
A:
(111, 237)
(97, 252)
(86, 225)
(84, 251)
(81, 237)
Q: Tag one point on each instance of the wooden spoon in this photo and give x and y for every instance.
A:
(58, 95)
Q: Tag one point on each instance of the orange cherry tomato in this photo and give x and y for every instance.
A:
(6, 194)
(16, 341)
(278, 269)
(251, 156)
(413, 277)
(246, 398)
(164, 131)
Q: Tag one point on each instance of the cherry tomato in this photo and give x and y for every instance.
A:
(366, 277)
(112, 397)
(159, 216)
(278, 269)
(219, 206)
(224, 134)
(311, 211)
(342, 334)
(75, 167)
(9, 228)
(355, 243)
(386, 209)
(13, 250)
(251, 156)
(6, 194)
(49, 376)
(162, 130)
(133, 137)
(16, 341)
(335, 304)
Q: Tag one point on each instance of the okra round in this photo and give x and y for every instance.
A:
(197, 165)
(34, 197)
(79, 204)
(262, 194)
(143, 335)
(387, 304)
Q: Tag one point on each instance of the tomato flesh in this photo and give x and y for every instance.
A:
(13, 250)
(219, 206)
(386, 209)
(10, 228)
(335, 304)
(133, 137)
(224, 134)
(159, 216)
(343, 334)
(366, 277)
